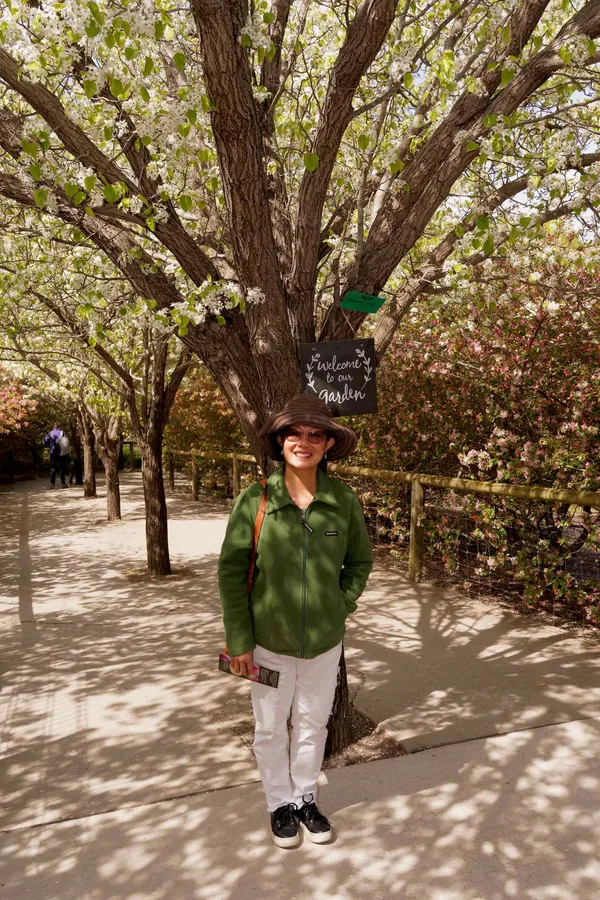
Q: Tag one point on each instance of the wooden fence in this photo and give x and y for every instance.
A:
(418, 482)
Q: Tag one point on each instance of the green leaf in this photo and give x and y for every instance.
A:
(151, 223)
(79, 197)
(186, 202)
(524, 221)
(408, 79)
(111, 194)
(192, 116)
(116, 87)
(159, 30)
(488, 246)
(184, 129)
(145, 94)
(472, 145)
(246, 42)
(506, 77)
(30, 147)
(363, 142)
(459, 231)
(148, 66)
(89, 88)
(35, 170)
(146, 140)
(89, 211)
(151, 303)
(505, 33)
(108, 132)
(396, 166)
(268, 17)
(44, 139)
(96, 12)
(483, 223)
(40, 198)
(489, 121)
(182, 93)
(92, 29)
(311, 161)
(182, 331)
(221, 320)
(213, 183)
(109, 40)
(89, 182)
(271, 52)
(132, 51)
(179, 61)
(261, 55)
(71, 189)
(566, 55)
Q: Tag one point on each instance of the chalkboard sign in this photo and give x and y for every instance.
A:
(342, 374)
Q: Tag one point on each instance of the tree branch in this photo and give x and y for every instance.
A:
(429, 176)
(364, 39)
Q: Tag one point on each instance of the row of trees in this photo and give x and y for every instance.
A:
(126, 377)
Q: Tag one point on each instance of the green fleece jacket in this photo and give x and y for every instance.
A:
(310, 569)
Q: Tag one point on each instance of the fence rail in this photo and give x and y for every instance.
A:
(418, 481)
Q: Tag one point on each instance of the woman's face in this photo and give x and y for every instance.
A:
(304, 446)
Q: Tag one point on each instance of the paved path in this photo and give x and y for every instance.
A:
(121, 777)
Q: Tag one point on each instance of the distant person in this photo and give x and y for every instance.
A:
(58, 444)
(312, 563)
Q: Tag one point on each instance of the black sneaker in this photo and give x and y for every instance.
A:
(284, 827)
(317, 827)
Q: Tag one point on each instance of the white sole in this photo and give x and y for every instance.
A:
(323, 838)
(286, 843)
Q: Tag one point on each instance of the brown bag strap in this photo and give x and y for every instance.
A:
(257, 528)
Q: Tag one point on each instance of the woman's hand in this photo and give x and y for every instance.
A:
(242, 664)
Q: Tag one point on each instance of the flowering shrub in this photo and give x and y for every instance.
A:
(15, 406)
(201, 418)
(502, 384)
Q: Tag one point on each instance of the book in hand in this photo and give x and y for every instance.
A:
(260, 673)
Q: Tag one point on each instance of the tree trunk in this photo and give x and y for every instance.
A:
(339, 735)
(87, 440)
(157, 537)
(113, 491)
(108, 450)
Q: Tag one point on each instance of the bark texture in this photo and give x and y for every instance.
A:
(157, 538)
(86, 433)
(108, 450)
(339, 728)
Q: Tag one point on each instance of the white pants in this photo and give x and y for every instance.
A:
(289, 769)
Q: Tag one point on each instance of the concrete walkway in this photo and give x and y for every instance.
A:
(121, 776)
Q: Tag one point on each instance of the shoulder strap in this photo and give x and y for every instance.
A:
(258, 523)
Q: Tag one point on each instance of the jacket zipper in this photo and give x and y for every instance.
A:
(304, 586)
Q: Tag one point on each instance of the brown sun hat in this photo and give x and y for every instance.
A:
(306, 410)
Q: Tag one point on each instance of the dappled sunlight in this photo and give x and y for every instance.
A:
(458, 823)
(118, 742)
(451, 668)
(118, 699)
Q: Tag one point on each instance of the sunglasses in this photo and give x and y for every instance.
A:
(293, 435)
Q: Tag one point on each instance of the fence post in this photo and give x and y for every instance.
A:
(131, 460)
(171, 471)
(236, 478)
(417, 508)
(194, 477)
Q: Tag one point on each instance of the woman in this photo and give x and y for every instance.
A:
(313, 559)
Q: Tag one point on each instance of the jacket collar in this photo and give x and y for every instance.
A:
(279, 496)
